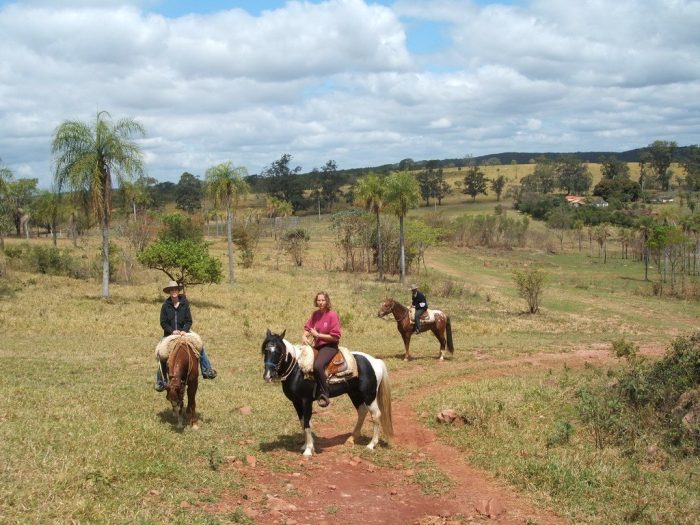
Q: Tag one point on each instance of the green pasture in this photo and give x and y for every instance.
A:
(85, 439)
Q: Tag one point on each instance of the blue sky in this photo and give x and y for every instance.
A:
(359, 82)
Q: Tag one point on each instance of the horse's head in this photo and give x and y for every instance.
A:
(386, 307)
(274, 351)
(175, 391)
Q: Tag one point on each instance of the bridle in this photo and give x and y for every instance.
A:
(394, 304)
(283, 359)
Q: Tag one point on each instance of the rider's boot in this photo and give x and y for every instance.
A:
(207, 371)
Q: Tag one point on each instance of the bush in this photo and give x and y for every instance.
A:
(530, 284)
(294, 242)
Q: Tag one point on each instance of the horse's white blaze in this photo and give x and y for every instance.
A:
(309, 446)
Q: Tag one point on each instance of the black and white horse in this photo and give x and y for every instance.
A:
(369, 392)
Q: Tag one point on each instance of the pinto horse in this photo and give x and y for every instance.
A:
(441, 327)
(183, 372)
(369, 392)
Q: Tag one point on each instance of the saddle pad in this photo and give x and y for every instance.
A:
(166, 345)
(428, 317)
(306, 364)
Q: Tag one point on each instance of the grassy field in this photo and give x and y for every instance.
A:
(85, 439)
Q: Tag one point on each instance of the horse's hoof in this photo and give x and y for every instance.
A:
(370, 446)
(350, 441)
(308, 453)
(195, 426)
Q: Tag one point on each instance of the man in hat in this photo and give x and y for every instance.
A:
(420, 303)
(176, 319)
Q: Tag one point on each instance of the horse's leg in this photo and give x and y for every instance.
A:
(180, 416)
(307, 404)
(299, 407)
(191, 403)
(376, 426)
(361, 408)
(407, 343)
(441, 338)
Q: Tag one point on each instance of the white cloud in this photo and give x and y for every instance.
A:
(334, 80)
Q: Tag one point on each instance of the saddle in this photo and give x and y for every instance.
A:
(341, 368)
(429, 316)
(167, 344)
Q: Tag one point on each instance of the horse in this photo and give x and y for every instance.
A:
(369, 392)
(441, 327)
(183, 371)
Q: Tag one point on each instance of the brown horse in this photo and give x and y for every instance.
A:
(441, 327)
(183, 372)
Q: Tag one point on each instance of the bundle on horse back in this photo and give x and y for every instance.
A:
(167, 345)
(341, 368)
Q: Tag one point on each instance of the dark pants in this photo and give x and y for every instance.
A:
(325, 356)
(416, 319)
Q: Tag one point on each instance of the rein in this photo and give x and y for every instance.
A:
(396, 306)
(290, 368)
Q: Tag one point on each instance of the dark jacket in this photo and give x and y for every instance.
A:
(419, 298)
(172, 319)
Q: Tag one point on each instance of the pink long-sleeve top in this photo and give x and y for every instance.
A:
(324, 322)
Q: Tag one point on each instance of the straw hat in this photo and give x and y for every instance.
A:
(171, 285)
(414, 287)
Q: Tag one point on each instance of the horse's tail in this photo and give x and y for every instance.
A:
(448, 329)
(384, 402)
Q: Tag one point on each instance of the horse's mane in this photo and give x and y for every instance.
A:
(174, 354)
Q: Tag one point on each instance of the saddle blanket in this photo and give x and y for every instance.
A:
(166, 345)
(336, 372)
(428, 317)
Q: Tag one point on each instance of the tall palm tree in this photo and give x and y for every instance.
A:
(226, 186)
(370, 194)
(402, 194)
(87, 155)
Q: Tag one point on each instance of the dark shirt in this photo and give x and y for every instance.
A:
(419, 298)
(172, 318)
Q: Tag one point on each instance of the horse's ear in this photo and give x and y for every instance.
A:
(282, 334)
(269, 333)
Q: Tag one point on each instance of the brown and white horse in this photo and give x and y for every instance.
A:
(441, 326)
(183, 372)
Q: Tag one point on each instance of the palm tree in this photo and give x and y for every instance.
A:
(370, 194)
(88, 155)
(226, 185)
(402, 194)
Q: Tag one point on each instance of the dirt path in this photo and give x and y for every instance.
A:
(338, 486)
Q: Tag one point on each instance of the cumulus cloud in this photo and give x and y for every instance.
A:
(335, 79)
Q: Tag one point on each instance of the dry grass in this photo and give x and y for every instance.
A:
(85, 439)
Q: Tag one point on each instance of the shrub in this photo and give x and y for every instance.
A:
(530, 284)
(294, 242)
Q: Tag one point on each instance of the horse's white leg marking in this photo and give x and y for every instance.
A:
(303, 435)
(309, 447)
(376, 414)
(357, 431)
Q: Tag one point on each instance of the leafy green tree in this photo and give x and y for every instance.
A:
(178, 227)
(226, 185)
(370, 193)
(184, 261)
(614, 169)
(87, 156)
(49, 211)
(189, 193)
(402, 194)
(474, 182)
(20, 194)
(497, 186)
(284, 182)
(574, 176)
(543, 179)
(330, 182)
(660, 156)
(691, 166)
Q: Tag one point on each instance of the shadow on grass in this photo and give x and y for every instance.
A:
(167, 416)
(294, 443)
